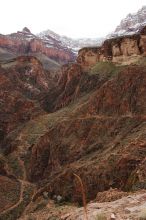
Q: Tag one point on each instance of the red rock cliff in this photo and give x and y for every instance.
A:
(26, 43)
(121, 50)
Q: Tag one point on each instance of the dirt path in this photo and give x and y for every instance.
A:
(23, 184)
(23, 168)
(16, 204)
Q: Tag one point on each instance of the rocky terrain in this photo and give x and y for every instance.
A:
(24, 42)
(23, 81)
(73, 44)
(122, 50)
(113, 206)
(50, 48)
(88, 119)
(131, 24)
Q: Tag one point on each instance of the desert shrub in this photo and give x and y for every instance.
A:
(105, 69)
(40, 206)
(142, 61)
(15, 166)
(53, 218)
(100, 216)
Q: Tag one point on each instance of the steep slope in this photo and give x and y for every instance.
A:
(101, 137)
(22, 80)
(24, 42)
(95, 127)
(47, 46)
(123, 50)
(73, 44)
(131, 24)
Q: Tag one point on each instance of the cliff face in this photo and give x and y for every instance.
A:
(22, 81)
(121, 50)
(13, 45)
(132, 23)
(59, 55)
(72, 84)
(25, 43)
(101, 136)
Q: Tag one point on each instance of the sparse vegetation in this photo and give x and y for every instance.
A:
(15, 165)
(53, 218)
(15, 213)
(142, 61)
(101, 217)
(105, 69)
(40, 205)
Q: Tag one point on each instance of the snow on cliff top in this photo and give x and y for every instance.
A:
(131, 24)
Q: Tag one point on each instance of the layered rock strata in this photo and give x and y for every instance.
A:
(121, 50)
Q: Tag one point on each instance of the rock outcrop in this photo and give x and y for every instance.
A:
(128, 207)
(58, 54)
(131, 24)
(22, 81)
(120, 50)
(72, 84)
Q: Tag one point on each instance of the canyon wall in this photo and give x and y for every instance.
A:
(20, 46)
(121, 50)
(96, 126)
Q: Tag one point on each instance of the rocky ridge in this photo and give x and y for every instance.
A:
(24, 42)
(131, 24)
(74, 44)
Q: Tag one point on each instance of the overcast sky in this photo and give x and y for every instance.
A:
(74, 18)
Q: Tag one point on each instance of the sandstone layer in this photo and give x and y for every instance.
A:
(26, 43)
(120, 50)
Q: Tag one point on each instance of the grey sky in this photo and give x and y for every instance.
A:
(74, 18)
